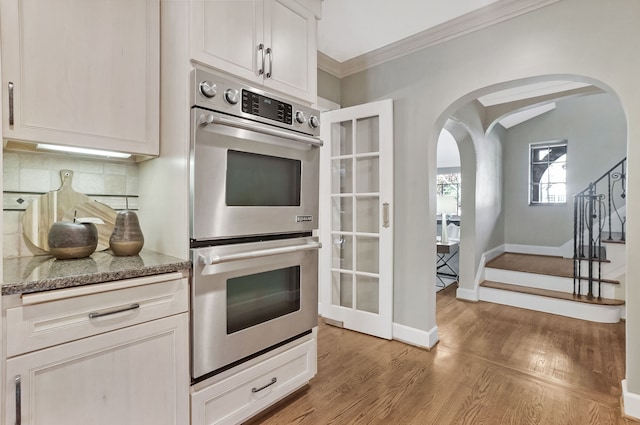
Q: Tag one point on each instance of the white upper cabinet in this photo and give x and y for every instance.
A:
(82, 73)
(268, 42)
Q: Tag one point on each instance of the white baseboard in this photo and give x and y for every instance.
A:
(417, 337)
(565, 250)
(630, 402)
(493, 253)
(472, 294)
(467, 294)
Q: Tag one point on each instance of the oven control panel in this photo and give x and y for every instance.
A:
(266, 107)
(223, 94)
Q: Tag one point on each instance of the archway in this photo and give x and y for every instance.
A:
(480, 125)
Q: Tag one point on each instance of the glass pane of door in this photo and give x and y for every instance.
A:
(355, 216)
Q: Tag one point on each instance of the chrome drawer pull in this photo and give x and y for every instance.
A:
(257, 390)
(95, 314)
(18, 382)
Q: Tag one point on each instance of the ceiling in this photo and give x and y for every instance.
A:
(350, 28)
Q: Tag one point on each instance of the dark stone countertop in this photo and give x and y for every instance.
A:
(23, 275)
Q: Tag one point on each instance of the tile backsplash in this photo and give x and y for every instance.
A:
(26, 175)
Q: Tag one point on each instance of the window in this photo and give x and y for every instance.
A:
(548, 173)
(449, 185)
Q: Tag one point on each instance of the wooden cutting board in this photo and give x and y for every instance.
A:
(98, 210)
(49, 208)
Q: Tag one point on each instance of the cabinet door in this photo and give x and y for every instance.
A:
(84, 73)
(291, 37)
(137, 375)
(227, 34)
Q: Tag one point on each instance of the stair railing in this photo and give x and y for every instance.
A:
(596, 212)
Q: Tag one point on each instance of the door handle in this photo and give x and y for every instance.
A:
(245, 125)
(260, 58)
(217, 259)
(270, 53)
(18, 383)
(385, 215)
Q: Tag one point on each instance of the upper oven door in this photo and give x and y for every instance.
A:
(250, 179)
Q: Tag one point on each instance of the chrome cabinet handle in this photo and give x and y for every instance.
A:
(217, 259)
(385, 215)
(256, 390)
(95, 314)
(260, 58)
(18, 382)
(270, 53)
(11, 119)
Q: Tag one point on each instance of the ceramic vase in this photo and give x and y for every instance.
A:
(127, 238)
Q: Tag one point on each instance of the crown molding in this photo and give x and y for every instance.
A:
(329, 64)
(487, 16)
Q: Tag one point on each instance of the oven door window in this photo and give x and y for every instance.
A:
(260, 297)
(255, 180)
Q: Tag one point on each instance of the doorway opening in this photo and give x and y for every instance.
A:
(449, 210)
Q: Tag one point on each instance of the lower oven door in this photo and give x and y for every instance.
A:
(250, 297)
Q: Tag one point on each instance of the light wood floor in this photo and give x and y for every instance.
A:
(493, 365)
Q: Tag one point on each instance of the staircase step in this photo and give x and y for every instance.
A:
(531, 263)
(585, 251)
(551, 294)
(596, 280)
(616, 237)
(540, 264)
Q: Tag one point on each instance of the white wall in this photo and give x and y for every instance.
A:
(591, 39)
(596, 130)
(448, 154)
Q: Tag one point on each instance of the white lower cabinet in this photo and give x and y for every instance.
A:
(104, 354)
(237, 397)
(135, 375)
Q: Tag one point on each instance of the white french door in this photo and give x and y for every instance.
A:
(356, 217)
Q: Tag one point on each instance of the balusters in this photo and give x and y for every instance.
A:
(594, 211)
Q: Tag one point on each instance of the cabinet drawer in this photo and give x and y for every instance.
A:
(36, 326)
(246, 393)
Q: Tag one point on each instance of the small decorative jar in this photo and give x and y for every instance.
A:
(127, 238)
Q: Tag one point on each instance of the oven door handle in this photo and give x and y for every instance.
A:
(211, 119)
(217, 259)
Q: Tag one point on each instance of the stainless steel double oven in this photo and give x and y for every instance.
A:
(254, 162)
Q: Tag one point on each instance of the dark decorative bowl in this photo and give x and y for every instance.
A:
(68, 240)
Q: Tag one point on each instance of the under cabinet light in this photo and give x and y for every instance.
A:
(83, 151)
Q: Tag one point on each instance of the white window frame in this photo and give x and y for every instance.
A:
(548, 144)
